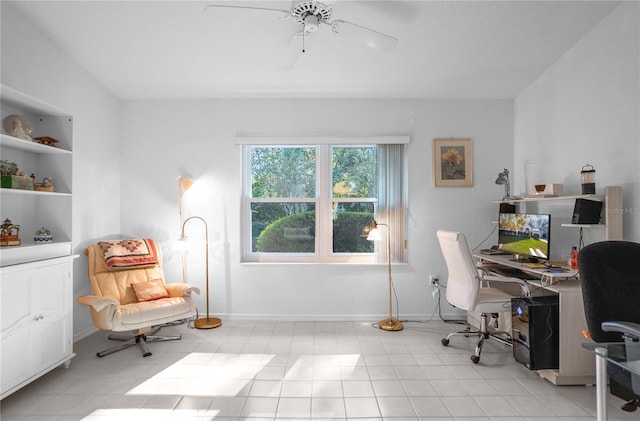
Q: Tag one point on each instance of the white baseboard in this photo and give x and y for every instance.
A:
(373, 318)
(78, 336)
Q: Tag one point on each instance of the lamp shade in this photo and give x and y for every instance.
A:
(374, 235)
(185, 183)
(503, 177)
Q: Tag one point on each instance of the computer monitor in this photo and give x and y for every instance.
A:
(525, 234)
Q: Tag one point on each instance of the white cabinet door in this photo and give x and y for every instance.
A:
(51, 308)
(16, 321)
(37, 320)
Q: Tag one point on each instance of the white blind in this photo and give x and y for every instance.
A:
(321, 140)
(392, 197)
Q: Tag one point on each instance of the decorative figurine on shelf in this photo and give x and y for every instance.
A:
(43, 235)
(46, 140)
(45, 185)
(9, 234)
(17, 126)
(8, 168)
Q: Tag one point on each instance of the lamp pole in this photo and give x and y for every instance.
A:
(183, 185)
(390, 323)
(208, 322)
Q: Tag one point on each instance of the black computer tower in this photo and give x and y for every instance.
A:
(535, 331)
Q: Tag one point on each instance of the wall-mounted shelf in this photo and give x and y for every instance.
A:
(612, 211)
(30, 251)
(7, 141)
(549, 198)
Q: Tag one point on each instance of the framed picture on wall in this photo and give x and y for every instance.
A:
(452, 163)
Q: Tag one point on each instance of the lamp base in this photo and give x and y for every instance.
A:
(207, 323)
(390, 324)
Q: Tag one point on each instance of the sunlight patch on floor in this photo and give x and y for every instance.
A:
(204, 374)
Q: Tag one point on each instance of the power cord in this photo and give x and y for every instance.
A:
(439, 305)
(487, 237)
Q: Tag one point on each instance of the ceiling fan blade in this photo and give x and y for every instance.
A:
(367, 36)
(250, 11)
(294, 49)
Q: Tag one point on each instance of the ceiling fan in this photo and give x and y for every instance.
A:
(311, 15)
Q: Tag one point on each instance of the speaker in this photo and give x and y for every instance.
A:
(586, 212)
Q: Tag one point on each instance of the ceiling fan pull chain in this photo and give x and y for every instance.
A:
(304, 36)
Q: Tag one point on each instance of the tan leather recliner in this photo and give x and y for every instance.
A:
(115, 305)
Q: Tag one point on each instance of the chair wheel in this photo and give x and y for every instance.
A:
(630, 406)
(475, 359)
(445, 342)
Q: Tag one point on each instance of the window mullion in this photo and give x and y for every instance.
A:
(323, 204)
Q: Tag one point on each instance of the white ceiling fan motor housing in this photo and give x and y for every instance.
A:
(311, 14)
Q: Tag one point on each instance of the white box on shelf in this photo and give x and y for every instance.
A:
(546, 190)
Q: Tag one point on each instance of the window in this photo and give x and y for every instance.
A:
(314, 203)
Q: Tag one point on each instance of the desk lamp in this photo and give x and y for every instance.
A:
(503, 178)
(208, 322)
(390, 323)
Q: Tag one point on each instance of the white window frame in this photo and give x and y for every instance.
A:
(323, 202)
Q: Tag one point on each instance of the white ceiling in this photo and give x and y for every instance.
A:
(446, 49)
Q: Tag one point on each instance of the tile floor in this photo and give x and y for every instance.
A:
(262, 370)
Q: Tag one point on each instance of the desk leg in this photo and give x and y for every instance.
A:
(601, 384)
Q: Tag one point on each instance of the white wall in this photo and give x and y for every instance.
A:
(164, 139)
(586, 109)
(32, 64)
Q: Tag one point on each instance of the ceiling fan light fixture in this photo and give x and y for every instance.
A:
(311, 23)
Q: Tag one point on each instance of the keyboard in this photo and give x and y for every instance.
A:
(510, 272)
(493, 252)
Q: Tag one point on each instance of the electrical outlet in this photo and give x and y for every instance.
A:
(434, 279)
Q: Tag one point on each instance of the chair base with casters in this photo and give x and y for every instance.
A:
(140, 337)
(483, 334)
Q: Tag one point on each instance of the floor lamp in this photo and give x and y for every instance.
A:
(208, 322)
(389, 323)
(183, 185)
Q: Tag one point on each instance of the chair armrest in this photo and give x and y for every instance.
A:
(526, 290)
(98, 303)
(630, 329)
(181, 290)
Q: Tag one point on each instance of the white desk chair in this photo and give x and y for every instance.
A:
(466, 290)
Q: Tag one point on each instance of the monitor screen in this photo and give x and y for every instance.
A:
(526, 234)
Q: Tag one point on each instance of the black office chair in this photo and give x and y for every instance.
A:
(610, 281)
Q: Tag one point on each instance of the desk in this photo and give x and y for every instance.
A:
(577, 365)
(623, 354)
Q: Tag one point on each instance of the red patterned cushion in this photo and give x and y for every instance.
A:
(129, 253)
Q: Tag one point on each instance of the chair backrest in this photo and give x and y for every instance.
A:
(116, 283)
(463, 282)
(610, 278)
